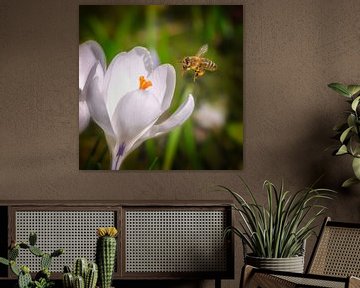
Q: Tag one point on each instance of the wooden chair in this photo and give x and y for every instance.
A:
(334, 263)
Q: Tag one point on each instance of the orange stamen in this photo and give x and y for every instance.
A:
(144, 83)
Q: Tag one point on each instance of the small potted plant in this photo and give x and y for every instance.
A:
(348, 133)
(276, 233)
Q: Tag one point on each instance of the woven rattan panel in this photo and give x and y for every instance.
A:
(175, 241)
(311, 282)
(75, 231)
(338, 253)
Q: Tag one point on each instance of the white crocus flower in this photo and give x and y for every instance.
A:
(90, 54)
(128, 98)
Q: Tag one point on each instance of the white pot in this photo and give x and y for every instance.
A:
(291, 264)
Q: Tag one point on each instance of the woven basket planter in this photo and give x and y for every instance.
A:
(291, 264)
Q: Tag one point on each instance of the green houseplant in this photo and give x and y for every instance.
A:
(348, 133)
(276, 233)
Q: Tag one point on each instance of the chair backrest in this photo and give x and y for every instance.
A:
(337, 251)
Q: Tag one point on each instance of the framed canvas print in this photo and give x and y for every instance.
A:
(161, 87)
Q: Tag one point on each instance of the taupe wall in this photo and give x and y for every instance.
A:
(293, 49)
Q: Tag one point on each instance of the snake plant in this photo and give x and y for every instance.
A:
(279, 228)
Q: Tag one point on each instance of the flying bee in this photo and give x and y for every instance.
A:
(198, 63)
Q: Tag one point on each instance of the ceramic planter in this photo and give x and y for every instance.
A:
(291, 264)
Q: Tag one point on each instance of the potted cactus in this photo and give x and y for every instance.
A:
(42, 278)
(84, 275)
(106, 254)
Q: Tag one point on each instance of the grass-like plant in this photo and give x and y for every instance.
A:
(280, 229)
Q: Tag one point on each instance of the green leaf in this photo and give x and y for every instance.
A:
(4, 261)
(345, 134)
(356, 167)
(351, 120)
(349, 182)
(353, 89)
(14, 268)
(342, 150)
(354, 145)
(36, 251)
(340, 88)
(13, 253)
(355, 103)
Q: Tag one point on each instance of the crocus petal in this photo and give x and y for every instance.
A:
(111, 141)
(175, 120)
(90, 52)
(134, 112)
(163, 80)
(122, 149)
(96, 101)
(155, 58)
(123, 75)
(84, 116)
(84, 113)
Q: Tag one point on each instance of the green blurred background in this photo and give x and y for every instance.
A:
(212, 138)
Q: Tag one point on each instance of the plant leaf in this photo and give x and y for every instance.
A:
(349, 182)
(351, 119)
(340, 88)
(4, 261)
(353, 89)
(356, 167)
(355, 103)
(342, 150)
(345, 134)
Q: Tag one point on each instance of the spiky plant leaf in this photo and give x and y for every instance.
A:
(280, 228)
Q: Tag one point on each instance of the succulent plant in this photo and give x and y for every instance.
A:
(42, 278)
(85, 275)
(106, 254)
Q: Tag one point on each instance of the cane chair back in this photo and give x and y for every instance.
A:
(337, 252)
(335, 262)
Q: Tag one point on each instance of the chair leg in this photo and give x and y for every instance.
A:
(246, 274)
(250, 278)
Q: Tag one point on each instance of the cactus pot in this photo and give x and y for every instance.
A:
(291, 264)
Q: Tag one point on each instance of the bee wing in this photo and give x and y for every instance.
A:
(202, 50)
